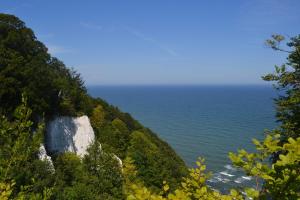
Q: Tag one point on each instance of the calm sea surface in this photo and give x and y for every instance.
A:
(206, 121)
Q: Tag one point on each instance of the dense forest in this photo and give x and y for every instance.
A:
(35, 87)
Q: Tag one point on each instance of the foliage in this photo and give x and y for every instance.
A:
(287, 79)
(27, 68)
(71, 178)
(191, 187)
(21, 173)
(6, 190)
(24, 176)
(154, 165)
(97, 117)
(281, 178)
(105, 172)
(125, 137)
(97, 176)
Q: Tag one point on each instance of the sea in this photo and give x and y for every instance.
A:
(201, 121)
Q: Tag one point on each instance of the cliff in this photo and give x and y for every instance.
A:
(69, 134)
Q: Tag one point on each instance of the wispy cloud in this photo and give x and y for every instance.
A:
(90, 25)
(17, 7)
(258, 15)
(142, 36)
(56, 49)
(136, 33)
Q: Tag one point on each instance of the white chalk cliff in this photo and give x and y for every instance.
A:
(69, 134)
(43, 156)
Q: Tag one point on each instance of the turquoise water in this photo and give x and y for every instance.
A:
(206, 121)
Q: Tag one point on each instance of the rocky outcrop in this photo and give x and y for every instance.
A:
(43, 156)
(69, 134)
(120, 163)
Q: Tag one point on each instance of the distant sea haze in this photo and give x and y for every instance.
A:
(206, 121)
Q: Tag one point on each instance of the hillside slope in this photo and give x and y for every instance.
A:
(52, 89)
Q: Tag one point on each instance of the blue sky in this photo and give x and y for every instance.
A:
(161, 41)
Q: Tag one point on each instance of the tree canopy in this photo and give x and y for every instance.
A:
(27, 68)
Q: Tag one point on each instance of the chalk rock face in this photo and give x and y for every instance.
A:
(69, 134)
(43, 156)
(119, 161)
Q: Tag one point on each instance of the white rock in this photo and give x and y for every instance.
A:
(69, 134)
(119, 161)
(43, 156)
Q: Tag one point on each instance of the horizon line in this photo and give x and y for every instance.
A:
(158, 85)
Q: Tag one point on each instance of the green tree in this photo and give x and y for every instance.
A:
(26, 67)
(22, 174)
(153, 163)
(281, 178)
(192, 187)
(71, 178)
(105, 172)
(287, 81)
(98, 117)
